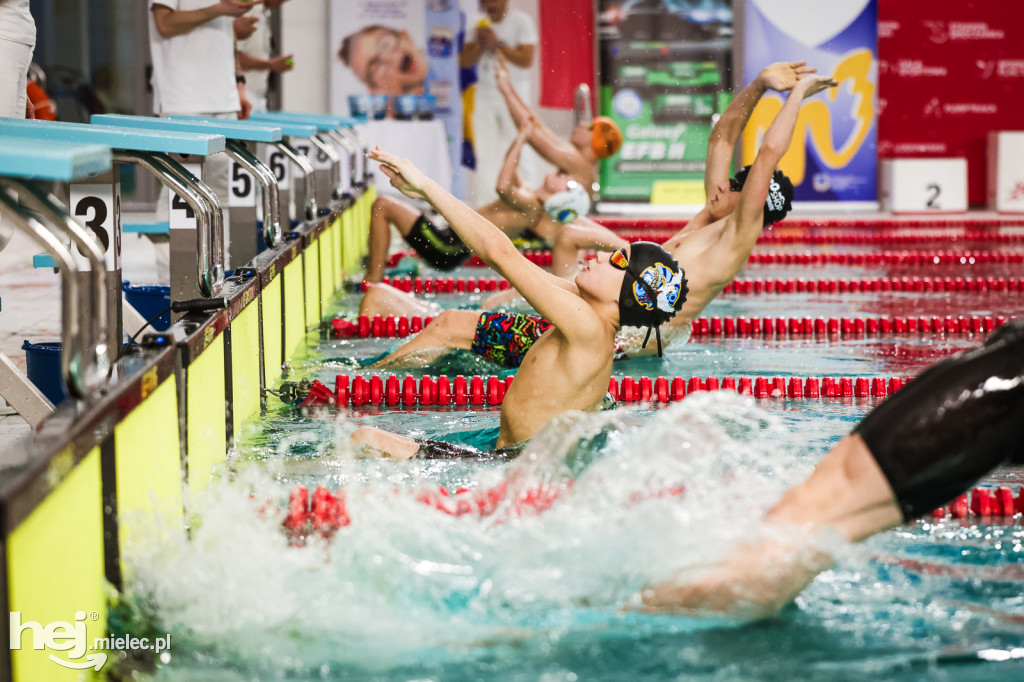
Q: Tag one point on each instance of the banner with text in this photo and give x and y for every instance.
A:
(664, 77)
(949, 72)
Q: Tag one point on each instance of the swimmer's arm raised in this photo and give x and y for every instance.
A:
(544, 291)
(746, 221)
(780, 76)
(508, 188)
(555, 150)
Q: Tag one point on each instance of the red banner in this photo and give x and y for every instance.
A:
(566, 50)
(949, 72)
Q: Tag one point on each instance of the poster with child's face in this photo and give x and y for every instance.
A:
(380, 49)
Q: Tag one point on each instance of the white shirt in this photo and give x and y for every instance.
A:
(16, 24)
(194, 73)
(515, 29)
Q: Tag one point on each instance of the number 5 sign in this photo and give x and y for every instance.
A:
(242, 190)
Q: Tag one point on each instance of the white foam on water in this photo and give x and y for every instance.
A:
(404, 577)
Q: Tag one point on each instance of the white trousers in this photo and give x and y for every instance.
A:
(14, 61)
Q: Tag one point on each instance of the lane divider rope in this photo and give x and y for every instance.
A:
(828, 328)
(838, 223)
(451, 285)
(985, 502)
(390, 390)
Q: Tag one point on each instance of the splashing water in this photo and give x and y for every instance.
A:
(638, 497)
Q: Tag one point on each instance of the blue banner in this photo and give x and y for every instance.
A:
(832, 156)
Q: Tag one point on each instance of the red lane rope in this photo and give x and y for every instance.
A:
(986, 503)
(916, 284)
(904, 257)
(449, 285)
(390, 390)
(820, 327)
(965, 222)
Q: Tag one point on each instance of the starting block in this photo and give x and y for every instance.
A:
(1006, 171)
(937, 185)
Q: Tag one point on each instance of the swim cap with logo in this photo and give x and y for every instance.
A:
(653, 290)
(780, 194)
(605, 137)
(565, 207)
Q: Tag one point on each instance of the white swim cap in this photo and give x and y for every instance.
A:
(569, 205)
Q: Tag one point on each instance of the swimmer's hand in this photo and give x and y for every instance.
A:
(810, 85)
(782, 76)
(404, 176)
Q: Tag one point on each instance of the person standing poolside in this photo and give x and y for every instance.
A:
(569, 366)
(255, 54)
(711, 249)
(502, 34)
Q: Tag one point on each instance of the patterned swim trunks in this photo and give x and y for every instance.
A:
(504, 338)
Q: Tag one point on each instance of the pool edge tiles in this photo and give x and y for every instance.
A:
(50, 581)
(150, 495)
(207, 428)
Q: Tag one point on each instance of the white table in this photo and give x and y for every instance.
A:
(422, 142)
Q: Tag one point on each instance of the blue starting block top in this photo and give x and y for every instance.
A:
(288, 128)
(40, 160)
(130, 139)
(321, 121)
(231, 129)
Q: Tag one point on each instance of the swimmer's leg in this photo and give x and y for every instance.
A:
(384, 213)
(929, 442)
(385, 300)
(450, 329)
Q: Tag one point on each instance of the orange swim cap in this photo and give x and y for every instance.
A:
(605, 137)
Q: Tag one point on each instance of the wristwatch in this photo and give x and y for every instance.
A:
(240, 79)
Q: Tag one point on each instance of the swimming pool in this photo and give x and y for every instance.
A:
(407, 592)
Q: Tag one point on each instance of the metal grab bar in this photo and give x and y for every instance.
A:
(73, 362)
(268, 182)
(335, 160)
(93, 301)
(308, 183)
(360, 142)
(208, 215)
(353, 153)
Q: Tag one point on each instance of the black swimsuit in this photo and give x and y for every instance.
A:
(951, 425)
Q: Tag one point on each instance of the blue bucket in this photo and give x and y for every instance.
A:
(150, 300)
(43, 369)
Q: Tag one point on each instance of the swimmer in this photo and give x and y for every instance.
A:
(542, 212)
(923, 446)
(569, 366)
(588, 144)
(711, 249)
(918, 450)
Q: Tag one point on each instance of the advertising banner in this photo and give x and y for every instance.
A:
(664, 77)
(833, 153)
(950, 72)
(400, 47)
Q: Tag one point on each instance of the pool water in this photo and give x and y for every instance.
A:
(410, 592)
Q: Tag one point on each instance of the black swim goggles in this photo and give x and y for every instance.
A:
(620, 261)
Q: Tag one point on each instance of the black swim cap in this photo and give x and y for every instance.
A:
(653, 290)
(780, 194)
